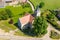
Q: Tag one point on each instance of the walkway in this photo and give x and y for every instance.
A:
(12, 37)
(31, 5)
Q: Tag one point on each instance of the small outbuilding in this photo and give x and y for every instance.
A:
(26, 21)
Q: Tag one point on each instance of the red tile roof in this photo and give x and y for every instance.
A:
(28, 18)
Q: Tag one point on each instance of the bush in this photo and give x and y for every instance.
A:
(51, 18)
(53, 12)
(54, 23)
(54, 35)
(40, 26)
(9, 12)
(25, 5)
(41, 4)
(11, 21)
(3, 15)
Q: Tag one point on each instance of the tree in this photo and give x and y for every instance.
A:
(51, 16)
(40, 26)
(3, 15)
(9, 12)
(11, 21)
(41, 4)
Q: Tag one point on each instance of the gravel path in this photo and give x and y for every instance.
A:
(13, 37)
(31, 5)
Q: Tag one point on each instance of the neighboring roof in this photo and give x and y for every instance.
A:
(10, 0)
(26, 19)
(1, 3)
(7, 1)
(22, 1)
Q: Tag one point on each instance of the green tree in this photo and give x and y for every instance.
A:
(41, 4)
(3, 15)
(51, 16)
(8, 12)
(40, 26)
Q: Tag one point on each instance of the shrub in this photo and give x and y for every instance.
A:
(54, 23)
(41, 4)
(54, 35)
(11, 21)
(40, 26)
(9, 13)
(3, 15)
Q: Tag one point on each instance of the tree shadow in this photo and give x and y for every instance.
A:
(28, 32)
(16, 24)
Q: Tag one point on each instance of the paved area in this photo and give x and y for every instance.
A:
(11, 37)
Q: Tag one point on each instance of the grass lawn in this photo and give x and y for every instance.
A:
(6, 26)
(49, 4)
(17, 12)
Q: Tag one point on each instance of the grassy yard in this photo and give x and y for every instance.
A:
(17, 12)
(6, 26)
(49, 4)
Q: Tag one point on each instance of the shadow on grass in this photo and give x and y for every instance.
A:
(28, 32)
(16, 24)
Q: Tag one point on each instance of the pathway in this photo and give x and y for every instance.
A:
(11, 35)
(31, 5)
(46, 36)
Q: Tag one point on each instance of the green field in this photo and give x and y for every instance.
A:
(6, 26)
(17, 12)
(49, 4)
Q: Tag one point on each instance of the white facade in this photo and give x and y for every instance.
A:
(20, 25)
(38, 12)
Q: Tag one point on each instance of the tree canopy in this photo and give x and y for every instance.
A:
(40, 26)
(41, 4)
(5, 14)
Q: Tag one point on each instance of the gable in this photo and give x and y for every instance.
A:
(26, 19)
